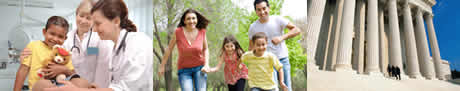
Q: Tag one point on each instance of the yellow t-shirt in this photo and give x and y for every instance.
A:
(40, 52)
(260, 69)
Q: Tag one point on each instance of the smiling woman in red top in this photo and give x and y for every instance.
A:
(190, 37)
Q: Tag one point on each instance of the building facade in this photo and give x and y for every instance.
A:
(367, 36)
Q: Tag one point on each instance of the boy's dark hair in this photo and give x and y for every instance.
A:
(258, 35)
(202, 21)
(231, 39)
(57, 21)
(260, 1)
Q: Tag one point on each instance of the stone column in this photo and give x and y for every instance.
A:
(346, 36)
(336, 34)
(395, 41)
(327, 47)
(314, 21)
(426, 65)
(359, 36)
(383, 42)
(434, 47)
(411, 48)
(372, 36)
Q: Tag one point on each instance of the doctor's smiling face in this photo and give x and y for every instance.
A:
(83, 18)
(106, 28)
(84, 21)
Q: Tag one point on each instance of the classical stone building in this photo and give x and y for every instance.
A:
(366, 36)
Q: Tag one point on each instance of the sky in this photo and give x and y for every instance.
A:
(447, 25)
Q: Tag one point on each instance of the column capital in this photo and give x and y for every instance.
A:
(429, 15)
(418, 12)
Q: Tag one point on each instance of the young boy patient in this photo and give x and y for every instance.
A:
(55, 33)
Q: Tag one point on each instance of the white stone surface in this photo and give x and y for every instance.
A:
(339, 81)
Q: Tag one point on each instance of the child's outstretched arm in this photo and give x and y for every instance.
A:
(281, 79)
(281, 73)
(20, 77)
(218, 65)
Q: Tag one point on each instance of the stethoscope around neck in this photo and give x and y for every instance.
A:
(122, 45)
(75, 39)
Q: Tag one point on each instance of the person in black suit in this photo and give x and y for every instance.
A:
(398, 73)
(389, 70)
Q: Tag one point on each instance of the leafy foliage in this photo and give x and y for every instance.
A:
(225, 19)
(297, 57)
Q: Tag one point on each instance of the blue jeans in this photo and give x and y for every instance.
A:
(287, 73)
(192, 79)
(259, 89)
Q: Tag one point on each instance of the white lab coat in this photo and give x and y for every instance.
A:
(88, 65)
(131, 69)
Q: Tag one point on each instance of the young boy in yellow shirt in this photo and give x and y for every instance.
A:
(55, 33)
(260, 65)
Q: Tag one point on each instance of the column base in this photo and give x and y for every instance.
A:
(418, 76)
(311, 67)
(344, 68)
(440, 78)
(375, 73)
(429, 77)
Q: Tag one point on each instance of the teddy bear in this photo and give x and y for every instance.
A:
(59, 56)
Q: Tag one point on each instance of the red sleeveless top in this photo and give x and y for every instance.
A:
(190, 55)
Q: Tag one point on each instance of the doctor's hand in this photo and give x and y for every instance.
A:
(54, 69)
(68, 86)
(25, 53)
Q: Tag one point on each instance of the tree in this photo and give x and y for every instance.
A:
(297, 57)
(166, 16)
(225, 19)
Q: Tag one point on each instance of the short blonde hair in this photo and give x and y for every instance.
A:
(85, 6)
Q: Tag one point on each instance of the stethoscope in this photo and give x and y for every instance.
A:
(123, 43)
(75, 39)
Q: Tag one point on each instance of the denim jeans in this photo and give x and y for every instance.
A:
(259, 89)
(192, 79)
(287, 73)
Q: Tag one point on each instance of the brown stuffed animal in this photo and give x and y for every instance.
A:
(59, 56)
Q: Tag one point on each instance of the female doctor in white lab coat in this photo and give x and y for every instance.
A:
(130, 66)
(88, 55)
